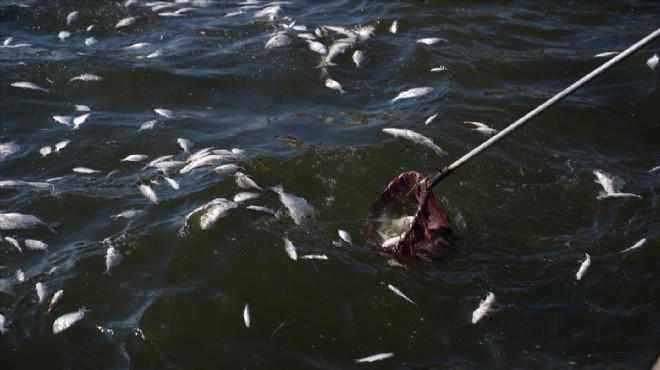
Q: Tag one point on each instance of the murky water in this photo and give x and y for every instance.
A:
(524, 212)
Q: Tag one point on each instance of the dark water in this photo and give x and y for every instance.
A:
(524, 213)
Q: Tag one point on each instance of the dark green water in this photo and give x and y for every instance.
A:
(524, 212)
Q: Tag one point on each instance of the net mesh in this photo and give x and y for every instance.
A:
(408, 223)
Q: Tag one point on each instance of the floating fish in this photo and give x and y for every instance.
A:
(3, 322)
(400, 294)
(654, 169)
(45, 151)
(262, 209)
(228, 168)
(299, 209)
(164, 112)
(138, 45)
(35, 244)
(377, 357)
(314, 257)
(338, 47)
(207, 160)
(317, 47)
(134, 158)
(65, 120)
(61, 145)
(652, 62)
(270, 11)
(639, 244)
(583, 267)
(290, 249)
(148, 125)
(173, 183)
(430, 40)
(439, 69)
(246, 316)
(90, 41)
(244, 196)
(394, 28)
(80, 120)
(72, 17)
(125, 22)
(611, 184)
(63, 35)
(606, 54)
(14, 242)
(67, 320)
(278, 40)
(28, 85)
(13, 220)
(484, 308)
(412, 93)
(112, 259)
(56, 301)
(332, 84)
(243, 181)
(87, 77)
(130, 213)
(8, 149)
(20, 276)
(358, 58)
(415, 138)
(148, 192)
(484, 129)
(185, 144)
(41, 292)
(85, 170)
(345, 236)
(431, 119)
(215, 212)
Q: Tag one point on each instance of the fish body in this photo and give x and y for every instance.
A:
(243, 181)
(246, 316)
(56, 301)
(639, 244)
(130, 213)
(125, 22)
(612, 185)
(35, 244)
(85, 170)
(415, 138)
(63, 35)
(481, 127)
(345, 236)
(215, 211)
(14, 242)
(439, 69)
(290, 249)
(173, 183)
(67, 320)
(400, 293)
(262, 209)
(164, 112)
(148, 192)
(278, 40)
(72, 17)
(394, 28)
(338, 47)
(431, 119)
(317, 47)
(244, 196)
(90, 41)
(201, 162)
(28, 85)
(3, 323)
(185, 144)
(652, 62)
(148, 125)
(377, 357)
(583, 267)
(112, 259)
(45, 151)
(134, 158)
(484, 308)
(65, 120)
(299, 208)
(358, 58)
(430, 40)
(412, 93)
(229, 168)
(87, 77)
(80, 120)
(61, 145)
(41, 292)
(13, 220)
(314, 257)
(332, 84)
(606, 54)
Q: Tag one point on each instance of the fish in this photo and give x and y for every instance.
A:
(583, 267)
(290, 249)
(28, 85)
(639, 244)
(338, 47)
(332, 84)
(484, 129)
(439, 69)
(314, 257)
(65, 120)
(228, 168)
(484, 308)
(20, 276)
(125, 22)
(215, 210)
(262, 209)
(400, 294)
(246, 195)
(430, 40)
(14, 242)
(431, 119)
(85, 170)
(138, 45)
(87, 77)
(173, 183)
(72, 17)
(394, 28)
(185, 144)
(90, 41)
(67, 320)
(345, 236)
(270, 11)
(243, 181)
(80, 120)
(112, 259)
(155, 54)
(358, 58)
(3, 322)
(654, 169)
(246, 316)
(35, 244)
(45, 151)
(148, 192)
(611, 184)
(299, 209)
(164, 112)
(134, 158)
(56, 301)
(13, 220)
(148, 125)
(317, 47)
(201, 162)
(130, 213)
(8, 149)
(412, 93)
(376, 357)
(61, 145)
(652, 62)
(415, 138)
(278, 40)
(41, 291)
(63, 35)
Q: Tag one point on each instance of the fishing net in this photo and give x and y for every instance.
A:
(407, 222)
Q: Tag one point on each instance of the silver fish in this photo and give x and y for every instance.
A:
(80, 120)
(345, 236)
(652, 62)
(138, 45)
(639, 244)
(317, 47)
(270, 11)
(207, 160)
(13, 220)
(112, 259)
(61, 145)
(314, 257)
(173, 183)
(299, 209)
(35, 244)
(484, 308)
(430, 40)
(185, 144)
(412, 93)
(90, 41)
(376, 357)
(244, 196)
(41, 292)
(243, 181)
(3, 322)
(228, 168)
(8, 149)
(583, 267)
(134, 158)
(606, 54)
(215, 212)
(67, 320)
(262, 209)
(45, 151)
(400, 293)
(63, 35)
(28, 85)
(148, 192)
(20, 276)
(358, 58)
(65, 120)
(85, 170)
(332, 84)
(130, 213)
(394, 28)
(164, 112)
(149, 125)
(72, 17)
(431, 119)
(56, 301)
(290, 249)
(246, 316)
(125, 22)
(484, 129)
(87, 77)
(415, 138)
(439, 69)
(338, 47)
(14, 242)
(611, 184)
(278, 40)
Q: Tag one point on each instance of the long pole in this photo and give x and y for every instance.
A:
(562, 94)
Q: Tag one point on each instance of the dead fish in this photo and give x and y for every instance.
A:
(278, 40)
(45, 151)
(415, 138)
(130, 213)
(35, 244)
(164, 112)
(13, 220)
(80, 120)
(90, 41)
(317, 47)
(314, 257)
(243, 181)
(430, 40)
(412, 93)
(72, 17)
(270, 12)
(358, 58)
(87, 77)
(138, 45)
(20, 276)
(345, 236)
(332, 84)
(229, 168)
(28, 85)
(290, 249)
(155, 54)
(185, 144)
(484, 129)
(85, 170)
(439, 69)
(56, 301)
(63, 35)
(218, 208)
(394, 28)
(611, 184)
(125, 22)
(65, 120)
(606, 54)
(112, 259)
(244, 196)
(8, 149)
(173, 183)
(652, 62)
(654, 169)
(61, 145)
(41, 292)
(134, 158)
(14, 242)
(338, 47)
(583, 267)
(207, 160)
(148, 192)
(148, 125)
(484, 308)
(3, 322)
(299, 209)
(431, 119)
(262, 209)
(67, 320)
(246, 316)
(639, 244)
(400, 293)
(377, 357)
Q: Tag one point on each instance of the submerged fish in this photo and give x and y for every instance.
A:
(87, 77)
(148, 125)
(299, 209)
(28, 85)
(85, 170)
(72, 17)
(63, 35)
(185, 144)
(394, 28)
(377, 357)
(345, 236)
(652, 62)
(229, 168)
(206, 160)
(41, 292)
(290, 249)
(400, 293)
(314, 257)
(358, 58)
(246, 316)
(13, 220)
(173, 183)
(164, 112)
(125, 22)
(246, 195)
(112, 259)
(332, 84)
(130, 213)
(639, 244)
(35, 244)
(65, 120)
(583, 267)
(148, 192)
(262, 209)
(415, 138)
(134, 158)
(8, 149)
(80, 120)
(67, 320)
(3, 323)
(430, 40)
(412, 93)
(61, 145)
(14, 242)
(56, 301)
(484, 308)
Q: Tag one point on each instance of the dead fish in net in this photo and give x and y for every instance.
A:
(243, 181)
(484, 308)
(35, 244)
(481, 127)
(262, 209)
(299, 209)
